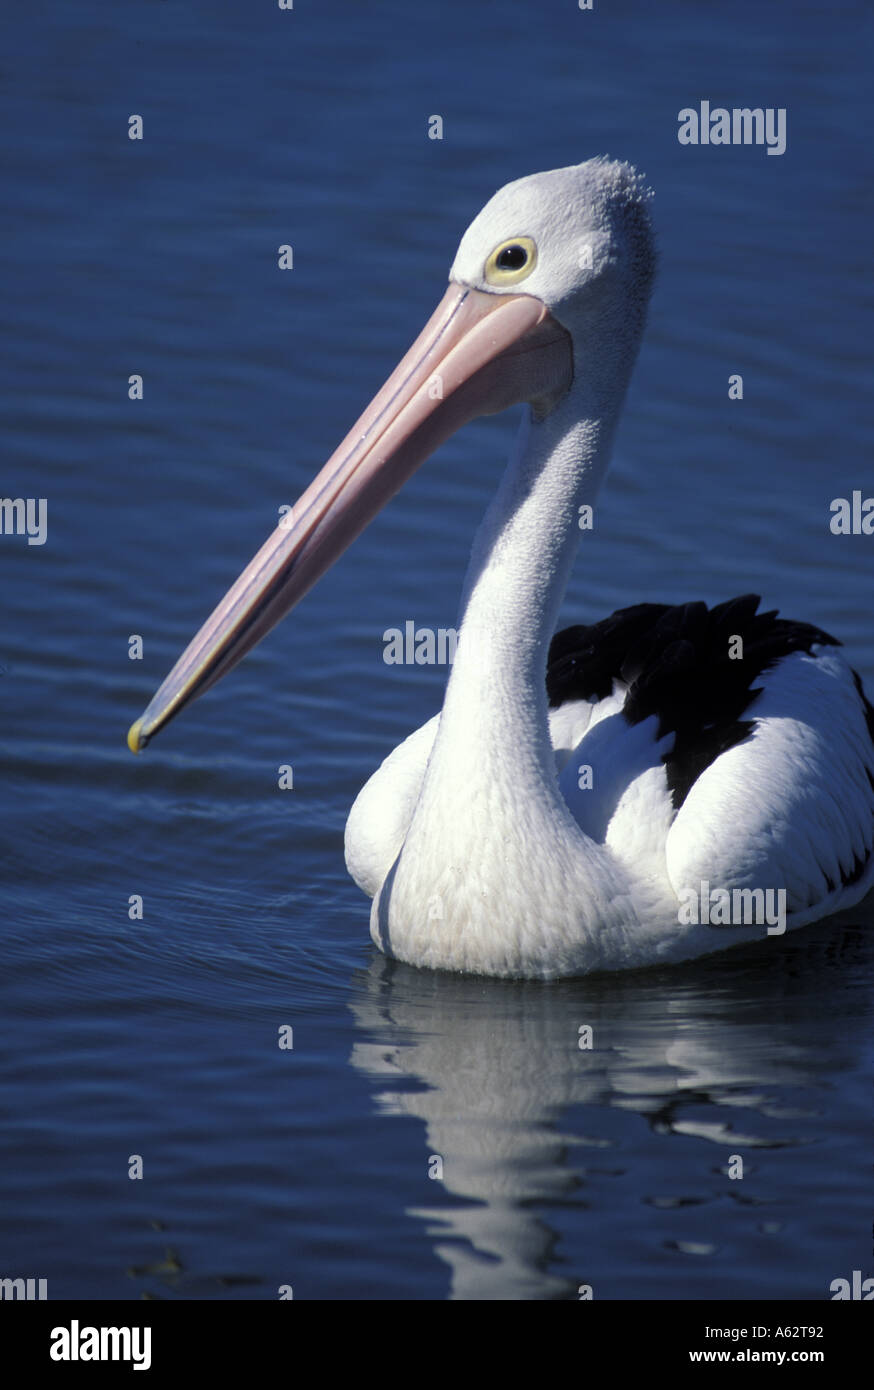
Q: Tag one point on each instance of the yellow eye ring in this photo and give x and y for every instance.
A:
(512, 261)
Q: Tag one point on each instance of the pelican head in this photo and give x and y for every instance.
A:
(581, 244)
(553, 262)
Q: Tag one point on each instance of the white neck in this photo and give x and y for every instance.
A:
(490, 797)
(519, 569)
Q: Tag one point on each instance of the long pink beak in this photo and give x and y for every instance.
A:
(477, 354)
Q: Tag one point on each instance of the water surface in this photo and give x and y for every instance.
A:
(159, 1037)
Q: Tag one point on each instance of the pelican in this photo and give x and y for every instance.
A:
(574, 803)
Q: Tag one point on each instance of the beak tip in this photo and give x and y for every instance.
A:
(135, 741)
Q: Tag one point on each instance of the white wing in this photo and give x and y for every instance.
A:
(792, 806)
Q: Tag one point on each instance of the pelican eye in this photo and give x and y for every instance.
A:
(512, 261)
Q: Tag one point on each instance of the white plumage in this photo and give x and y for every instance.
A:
(790, 808)
(483, 845)
(478, 857)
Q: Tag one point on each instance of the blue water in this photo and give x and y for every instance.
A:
(309, 1167)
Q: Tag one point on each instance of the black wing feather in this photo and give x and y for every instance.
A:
(674, 659)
